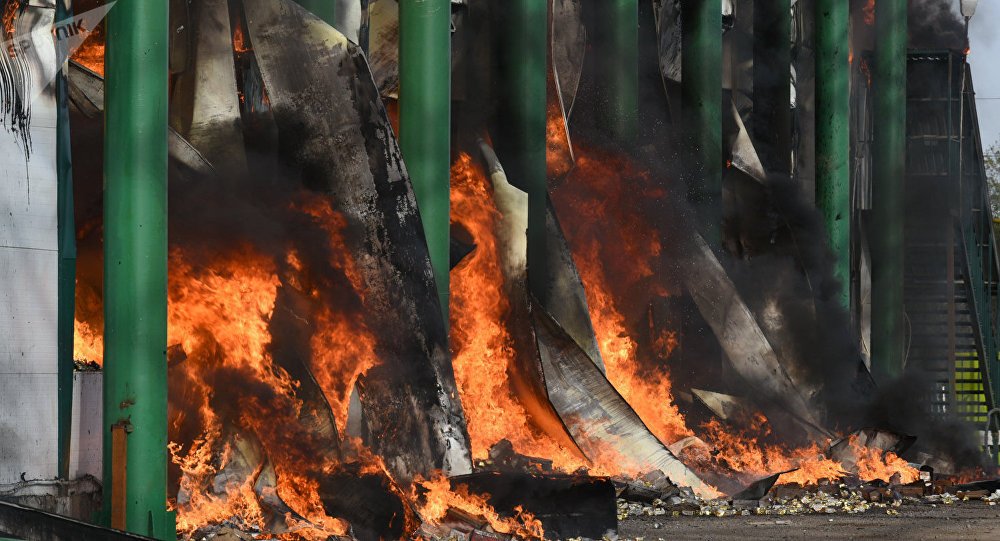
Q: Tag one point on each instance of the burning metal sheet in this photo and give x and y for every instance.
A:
(596, 415)
(333, 127)
(566, 298)
(741, 338)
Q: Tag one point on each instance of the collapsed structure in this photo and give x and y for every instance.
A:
(631, 290)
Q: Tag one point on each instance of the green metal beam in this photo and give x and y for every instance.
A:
(701, 104)
(520, 127)
(772, 59)
(425, 122)
(324, 9)
(67, 254)
(618, 64)
(135, 259)
(889, 176)
(833, 112)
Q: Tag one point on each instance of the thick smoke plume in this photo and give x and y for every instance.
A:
(935, 24)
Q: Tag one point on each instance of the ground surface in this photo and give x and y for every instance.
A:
(961, 520)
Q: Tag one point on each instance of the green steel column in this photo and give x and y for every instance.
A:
(888, 185)
(701, 103)
(618, 62)
(772, 60)
(833, 113)
(520, 134)
(324, 9)
(67, 254)
(135, 258)
(425, 122)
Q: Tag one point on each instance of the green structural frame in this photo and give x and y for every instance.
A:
(701, 104)
(324, 9)
(888, 176)
(425, 123)
(618, 63)
(520, 134)
(833, 113)
(67, 255)
(135, 260)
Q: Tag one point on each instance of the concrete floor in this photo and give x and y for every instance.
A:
(972, 520)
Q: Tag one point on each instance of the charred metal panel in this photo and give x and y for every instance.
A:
(600, 420)
(333, 128)
(205, 107)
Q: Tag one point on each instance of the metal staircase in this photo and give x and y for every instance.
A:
(950, 281)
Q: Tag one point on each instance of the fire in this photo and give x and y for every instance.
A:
(559, 159)
(7, 20)
(869, 11)
(482, 348)
(439, 497)
(874, 464)
(742, 451)
(240, 44)
(597, 193)
(88, 343)
(91, 55)
(603, 189)
(343, 347)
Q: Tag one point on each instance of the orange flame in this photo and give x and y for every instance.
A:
(88, 344)
(343, 347)
(596, 193)
(875, 464)
(482, 348)
(440, 497)
(869, 11)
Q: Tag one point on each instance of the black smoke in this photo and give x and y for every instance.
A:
(935, 24)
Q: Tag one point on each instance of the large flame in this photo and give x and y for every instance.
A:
(602, 189)
(482, 346)
(594, 195)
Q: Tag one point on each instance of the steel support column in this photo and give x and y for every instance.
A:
(520, 123)
(67, 253)
(701, 103)
(618, 62)
(425, 122)
(888, 185)
(324, 9)
(833, 113)
(135, 260)
(772, 60)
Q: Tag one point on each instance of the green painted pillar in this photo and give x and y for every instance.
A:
(425, 122)
(520, 122)
(67, 254)
(324, 9)
(135, 261)
(701, 104)
(833, 113)
(618, 63)
(888, 185)
(772, 60)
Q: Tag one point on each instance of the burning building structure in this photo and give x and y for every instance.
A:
(476, 268)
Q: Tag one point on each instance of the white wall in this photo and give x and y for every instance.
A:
(85, 439)
(28, 289)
